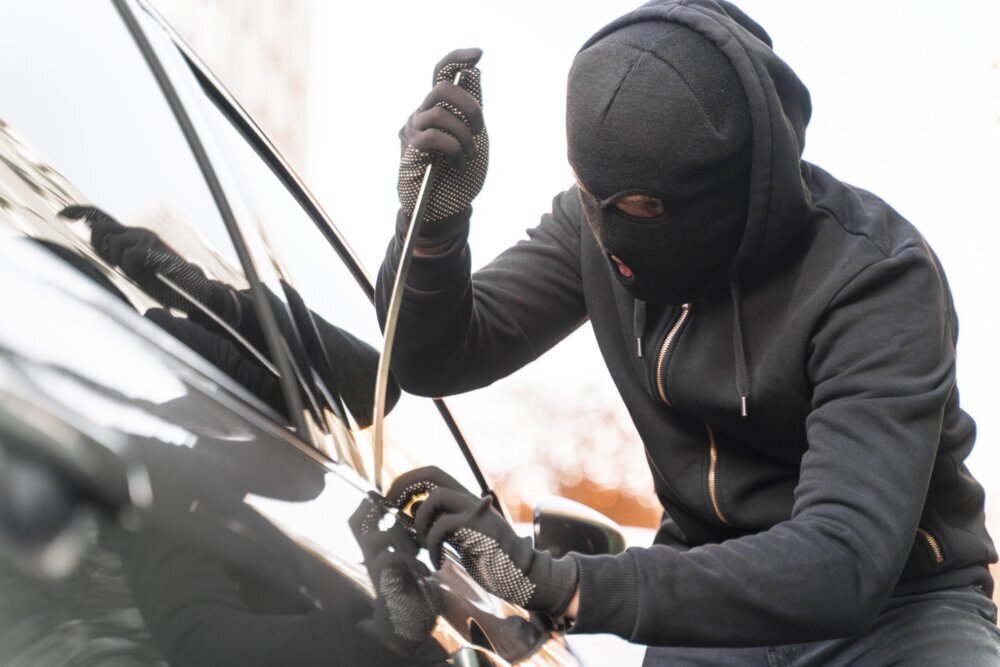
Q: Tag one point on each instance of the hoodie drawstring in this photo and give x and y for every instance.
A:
(639, 324)
(742, 375)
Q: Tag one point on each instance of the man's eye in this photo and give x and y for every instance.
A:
(640, 206)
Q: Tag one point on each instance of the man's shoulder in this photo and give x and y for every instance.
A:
(867, 225)
(849, 233)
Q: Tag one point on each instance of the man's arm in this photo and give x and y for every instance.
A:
(459, 331)
(882, 370)
(456, 332)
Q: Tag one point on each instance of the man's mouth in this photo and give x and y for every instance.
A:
(622, 267)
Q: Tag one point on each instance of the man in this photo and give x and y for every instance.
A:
(784, 342)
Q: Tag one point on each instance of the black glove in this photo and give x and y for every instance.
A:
(410, 489)
(502, 562)
(142, 255)
(407, 606)
(449, 123)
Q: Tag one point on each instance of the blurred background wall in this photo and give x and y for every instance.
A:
(260, 50)
(907, 104)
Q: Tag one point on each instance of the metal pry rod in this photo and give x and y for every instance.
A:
(395, 303)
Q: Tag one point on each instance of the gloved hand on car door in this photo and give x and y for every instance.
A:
(501, 561)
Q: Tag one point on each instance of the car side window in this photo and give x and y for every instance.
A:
(338, 333)
(94, 154)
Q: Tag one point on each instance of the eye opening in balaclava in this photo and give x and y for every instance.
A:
(656, 109)
(640, 206)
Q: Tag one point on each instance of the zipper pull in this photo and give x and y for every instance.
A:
(639, 325)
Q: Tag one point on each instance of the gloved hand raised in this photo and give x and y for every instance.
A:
(449, 124)
(500, 561)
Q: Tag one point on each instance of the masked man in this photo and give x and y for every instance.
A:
(784, 343)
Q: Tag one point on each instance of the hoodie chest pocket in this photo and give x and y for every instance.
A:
(686, 364)
(664, 348)
(743, 488)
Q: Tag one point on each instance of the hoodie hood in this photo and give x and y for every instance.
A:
(779, 110)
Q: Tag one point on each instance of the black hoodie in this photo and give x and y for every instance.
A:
(845, 482)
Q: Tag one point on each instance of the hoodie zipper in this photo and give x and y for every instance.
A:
(934, 545)
(713, 451)
(713, 476)
(667, 343)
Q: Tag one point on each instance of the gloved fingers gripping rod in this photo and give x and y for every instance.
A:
(392, 315)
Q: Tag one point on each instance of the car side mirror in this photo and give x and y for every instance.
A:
(563, 525)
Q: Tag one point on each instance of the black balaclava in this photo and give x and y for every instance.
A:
(657, 109)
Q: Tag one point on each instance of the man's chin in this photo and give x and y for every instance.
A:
(664, 291)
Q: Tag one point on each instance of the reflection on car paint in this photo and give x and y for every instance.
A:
(202, 531)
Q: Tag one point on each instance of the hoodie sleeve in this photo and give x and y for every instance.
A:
(882, 369)
(458, 331)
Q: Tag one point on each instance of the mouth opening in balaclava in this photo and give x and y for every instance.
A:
(655, 109)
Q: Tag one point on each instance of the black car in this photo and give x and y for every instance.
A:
(187, 364)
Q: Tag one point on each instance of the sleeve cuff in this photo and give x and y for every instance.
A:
(556, 585)
(450, 229)
(609, 595)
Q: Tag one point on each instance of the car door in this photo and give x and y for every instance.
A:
(302, 257)
(159, 502)
(135, 446)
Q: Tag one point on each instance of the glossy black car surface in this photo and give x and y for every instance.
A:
(177, 482)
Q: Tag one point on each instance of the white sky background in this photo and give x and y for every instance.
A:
(906, 103)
